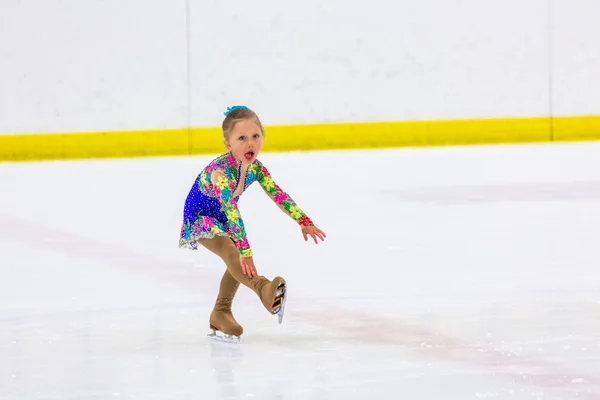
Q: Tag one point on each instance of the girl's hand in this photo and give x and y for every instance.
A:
(314, 232)
(248, 267)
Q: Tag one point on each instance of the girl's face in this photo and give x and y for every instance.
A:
(245, 141)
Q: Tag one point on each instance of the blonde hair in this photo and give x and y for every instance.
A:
(236, 115)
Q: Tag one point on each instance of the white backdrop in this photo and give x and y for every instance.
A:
(71, 65)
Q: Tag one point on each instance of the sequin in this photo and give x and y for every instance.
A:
(211, 210)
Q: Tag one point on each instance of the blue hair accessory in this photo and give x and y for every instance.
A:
(230, 109)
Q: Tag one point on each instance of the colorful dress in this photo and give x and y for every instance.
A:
(211, 206)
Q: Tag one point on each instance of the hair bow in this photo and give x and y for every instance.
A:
(230, 109)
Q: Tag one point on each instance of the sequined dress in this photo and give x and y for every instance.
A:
(211, 206)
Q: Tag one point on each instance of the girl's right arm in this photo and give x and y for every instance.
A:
(223, 187)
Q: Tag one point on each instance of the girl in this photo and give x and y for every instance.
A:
(211, 219)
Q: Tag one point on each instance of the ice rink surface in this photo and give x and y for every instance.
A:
(448, 273)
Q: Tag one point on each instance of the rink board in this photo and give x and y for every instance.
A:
(355, 135)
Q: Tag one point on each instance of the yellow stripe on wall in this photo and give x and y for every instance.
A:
(576, 128)
(299, 137)
(110, 144)
(403, 134)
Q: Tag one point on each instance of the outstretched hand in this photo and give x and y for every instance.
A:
(248, 267)
(314, 232)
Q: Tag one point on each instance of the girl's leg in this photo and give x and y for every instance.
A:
(269, 292)
(221, 318)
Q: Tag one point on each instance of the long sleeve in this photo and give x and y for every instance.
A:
(281, 198)
(223, 187)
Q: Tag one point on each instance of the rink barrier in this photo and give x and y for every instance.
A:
(359, 135)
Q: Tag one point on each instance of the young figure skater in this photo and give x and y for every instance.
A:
(211, 218)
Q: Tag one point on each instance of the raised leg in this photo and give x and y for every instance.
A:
(270, 292)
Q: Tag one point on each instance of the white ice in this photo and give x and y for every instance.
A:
(447, 273)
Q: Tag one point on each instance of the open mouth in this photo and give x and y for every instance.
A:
(249, 155)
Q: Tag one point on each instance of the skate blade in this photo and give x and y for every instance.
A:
(222, 337)
(280, 311)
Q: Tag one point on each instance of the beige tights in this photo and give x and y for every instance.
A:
(221, 317)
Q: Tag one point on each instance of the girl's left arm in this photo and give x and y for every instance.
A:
(283, 200)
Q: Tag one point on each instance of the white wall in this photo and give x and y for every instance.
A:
(575, 35)
(80, 65)
(72, 65)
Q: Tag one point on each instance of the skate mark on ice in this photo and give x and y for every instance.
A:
(500, 192)
(113, 255)
(428, 343)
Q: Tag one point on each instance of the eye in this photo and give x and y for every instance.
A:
(242, 137)
(256, 136)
